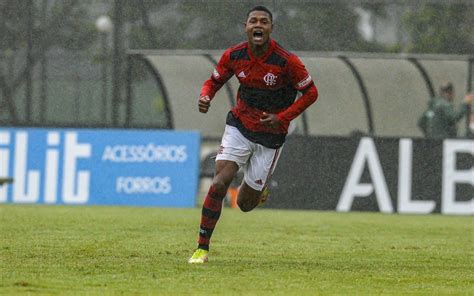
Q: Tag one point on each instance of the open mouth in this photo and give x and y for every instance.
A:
(258, 35)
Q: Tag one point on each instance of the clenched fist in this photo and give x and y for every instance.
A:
(204, 103)
(269, 120)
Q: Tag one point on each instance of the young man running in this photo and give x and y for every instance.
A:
(256, 127)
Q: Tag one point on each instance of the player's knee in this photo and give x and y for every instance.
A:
(245, 206)
(219, 187)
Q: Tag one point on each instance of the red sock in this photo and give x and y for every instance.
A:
(211, 211)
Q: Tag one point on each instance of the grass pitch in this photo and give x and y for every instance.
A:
(119, 250)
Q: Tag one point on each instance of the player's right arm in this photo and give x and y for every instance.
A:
(221, 74)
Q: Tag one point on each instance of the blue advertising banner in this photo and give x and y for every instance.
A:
(100, 167)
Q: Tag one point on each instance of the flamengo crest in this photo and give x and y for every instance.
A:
(270, 79)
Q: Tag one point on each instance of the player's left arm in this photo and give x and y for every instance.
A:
(303, 82)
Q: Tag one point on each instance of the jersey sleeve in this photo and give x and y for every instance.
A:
(221, 74)
(299, 76)
(303, 82)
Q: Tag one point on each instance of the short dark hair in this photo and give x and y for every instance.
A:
(261, 8)
(446, 87)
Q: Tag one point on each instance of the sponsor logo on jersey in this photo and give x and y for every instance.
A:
(304, 82)
(242, 74)
(270, 79)
(216, 74)
(259, 182)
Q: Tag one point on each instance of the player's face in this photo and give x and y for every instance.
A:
(450, 95)
(258, 27)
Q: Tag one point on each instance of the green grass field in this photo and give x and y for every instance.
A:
(120, 250)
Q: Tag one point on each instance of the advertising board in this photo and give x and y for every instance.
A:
(390, 175)
(100, 167)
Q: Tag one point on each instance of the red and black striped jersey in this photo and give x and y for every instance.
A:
(267, 84)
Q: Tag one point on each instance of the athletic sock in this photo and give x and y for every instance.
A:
(211, 211)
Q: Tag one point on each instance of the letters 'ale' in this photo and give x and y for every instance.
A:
(367, 157)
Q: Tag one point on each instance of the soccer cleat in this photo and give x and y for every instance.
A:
(199, 256)
(264, 196)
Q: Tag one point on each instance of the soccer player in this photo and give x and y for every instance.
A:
(256, 127)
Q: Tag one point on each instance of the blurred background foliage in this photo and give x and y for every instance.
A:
(52, 50)
(441, 28)
(419, 26)
(422, 26)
